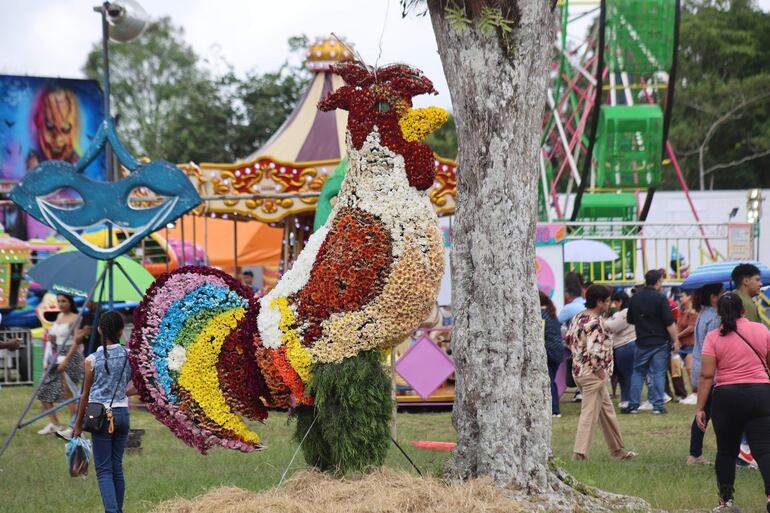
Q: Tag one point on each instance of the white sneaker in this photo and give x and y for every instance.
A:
(623, 404)
(691, 399)
(66, 434)
(666, 398)
(49, 429)
(645, 406)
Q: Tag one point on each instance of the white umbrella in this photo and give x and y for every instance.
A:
(588, 251)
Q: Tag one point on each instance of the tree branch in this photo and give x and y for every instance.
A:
(738, 162)
(713, 128)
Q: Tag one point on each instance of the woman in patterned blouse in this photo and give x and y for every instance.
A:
(591, 348)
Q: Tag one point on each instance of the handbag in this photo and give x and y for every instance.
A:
(764, 362)
(96, 414)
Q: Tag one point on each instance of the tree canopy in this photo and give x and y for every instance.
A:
(170, 105)
(719, 125)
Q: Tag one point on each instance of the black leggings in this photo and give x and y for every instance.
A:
(737, 409)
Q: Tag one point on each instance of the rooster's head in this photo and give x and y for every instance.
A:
(382, 98)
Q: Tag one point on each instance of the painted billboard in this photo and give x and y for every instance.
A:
(44, 119)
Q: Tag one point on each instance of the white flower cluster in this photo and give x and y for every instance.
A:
(176, 358)
(268, 320)
(376, 182)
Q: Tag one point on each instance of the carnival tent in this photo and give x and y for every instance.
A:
(309, 134)
(258, 243)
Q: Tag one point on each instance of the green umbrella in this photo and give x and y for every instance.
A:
(72, 272)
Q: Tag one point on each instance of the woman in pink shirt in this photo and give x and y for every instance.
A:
(736, 358)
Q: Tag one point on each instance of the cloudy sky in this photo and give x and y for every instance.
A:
(53, 37)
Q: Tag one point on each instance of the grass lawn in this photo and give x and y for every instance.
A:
(33, 475)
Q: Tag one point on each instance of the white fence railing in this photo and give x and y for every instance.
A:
(16, 365)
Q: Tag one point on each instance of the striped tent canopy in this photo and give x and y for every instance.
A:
(308, 134)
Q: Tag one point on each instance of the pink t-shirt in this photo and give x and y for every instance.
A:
(736, 362)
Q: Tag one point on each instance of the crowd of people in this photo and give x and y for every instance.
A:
(644, 338)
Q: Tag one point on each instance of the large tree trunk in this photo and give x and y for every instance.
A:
(502, 405)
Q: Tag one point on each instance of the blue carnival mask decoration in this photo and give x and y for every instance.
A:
(106, 202)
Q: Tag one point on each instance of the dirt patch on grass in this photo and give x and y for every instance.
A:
(382, 491)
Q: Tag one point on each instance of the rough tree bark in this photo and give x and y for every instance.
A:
(498, 84)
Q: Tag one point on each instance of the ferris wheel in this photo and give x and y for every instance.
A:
(608, 108)
(609, 104)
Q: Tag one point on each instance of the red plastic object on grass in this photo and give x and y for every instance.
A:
(434, 446)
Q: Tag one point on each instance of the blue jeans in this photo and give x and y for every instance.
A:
(654, 360)
(553, 367)
(108, 460)
(624, 368)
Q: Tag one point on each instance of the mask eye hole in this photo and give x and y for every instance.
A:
(65, 198)
(382, 106)
(141, 198)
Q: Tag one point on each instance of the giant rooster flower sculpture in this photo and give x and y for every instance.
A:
(364, 281)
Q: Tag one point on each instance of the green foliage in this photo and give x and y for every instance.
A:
(444, 140)
(171, 106)
(457, 18)
(353, 409)
(492, 19)
(722, 102)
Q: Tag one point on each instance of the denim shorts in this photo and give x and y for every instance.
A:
(685, 350)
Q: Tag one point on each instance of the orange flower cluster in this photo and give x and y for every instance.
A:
(350, 270)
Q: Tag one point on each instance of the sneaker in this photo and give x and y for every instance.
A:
(65, 434)
(699, 460)
(727, 507)
(578, 398)
(745, 455)
(623, 404)
(662, 411)
(742, 464)
(646, 406)
(556, 415)
(49, 429)
(629, 411)
(691, 399)
(666, 398)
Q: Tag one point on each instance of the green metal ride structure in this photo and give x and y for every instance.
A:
(605, 140)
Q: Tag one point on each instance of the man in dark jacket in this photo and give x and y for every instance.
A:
(651, 315)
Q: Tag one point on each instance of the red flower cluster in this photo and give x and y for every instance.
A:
(379, 98)
(350, 269)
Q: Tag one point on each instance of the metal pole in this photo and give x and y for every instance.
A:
(235, 248)
(18, 424)
(184, 261)
(393, 426)
(206, 239)
(195, 241)
(130, 280)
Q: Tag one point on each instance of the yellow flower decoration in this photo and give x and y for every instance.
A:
(199, 373)
(417, 124)
(298, 356)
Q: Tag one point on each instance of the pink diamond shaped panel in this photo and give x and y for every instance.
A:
(425, 366)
